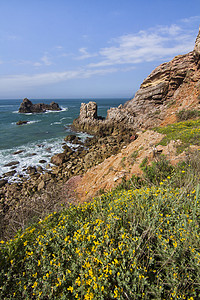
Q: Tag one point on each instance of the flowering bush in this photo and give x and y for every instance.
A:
(135, 244)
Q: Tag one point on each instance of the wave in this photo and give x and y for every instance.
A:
(31, 154)
(57, 111)
(33, 121)
(56, 123)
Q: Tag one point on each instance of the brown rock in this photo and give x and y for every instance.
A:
(21, 122)
(12, 163)
(18, 152)
(58, 159)
(41, 185)
(3, 182)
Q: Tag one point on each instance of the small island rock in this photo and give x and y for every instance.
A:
(21, 122)
(28, 107)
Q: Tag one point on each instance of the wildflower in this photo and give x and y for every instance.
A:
(70, 288)
(34, 285)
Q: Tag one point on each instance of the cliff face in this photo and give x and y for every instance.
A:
(171, 87)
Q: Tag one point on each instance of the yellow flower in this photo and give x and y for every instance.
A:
(70, 288)
(35, 284)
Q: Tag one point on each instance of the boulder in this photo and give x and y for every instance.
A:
(3, 182)
(58, 159)
(31, 170)
(41, 185)
(28, 107)
(12, 163)
(42, 161)
(18, 152)
(21, 122)
(9, 174)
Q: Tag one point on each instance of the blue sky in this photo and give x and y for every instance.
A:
(89, 48)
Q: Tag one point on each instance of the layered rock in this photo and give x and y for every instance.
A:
(28, 107)
(171, 87)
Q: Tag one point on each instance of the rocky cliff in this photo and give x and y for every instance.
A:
(171, 87)
(28, 107)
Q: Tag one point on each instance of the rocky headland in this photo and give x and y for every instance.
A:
(171, 87)
(28, 107)
(105, 159)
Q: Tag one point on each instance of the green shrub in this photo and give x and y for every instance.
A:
(187, 132)
(157, 171)
(184, 115)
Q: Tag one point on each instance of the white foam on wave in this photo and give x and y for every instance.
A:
(33, 121)
(56, 123)
(57, 111)
(31, 155)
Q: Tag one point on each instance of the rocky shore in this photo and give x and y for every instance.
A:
(170, 88)
(69, 163)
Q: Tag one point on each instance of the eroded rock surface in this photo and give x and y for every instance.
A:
(171, 87)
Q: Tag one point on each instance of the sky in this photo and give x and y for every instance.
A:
(89, 48)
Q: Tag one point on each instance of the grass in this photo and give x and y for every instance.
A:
(188, 132)
(127, 244)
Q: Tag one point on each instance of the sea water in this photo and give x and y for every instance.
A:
(43, 135)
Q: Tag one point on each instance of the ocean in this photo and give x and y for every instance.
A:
(34, 143)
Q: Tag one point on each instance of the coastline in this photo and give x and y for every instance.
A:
(75, 156)
(43, 135)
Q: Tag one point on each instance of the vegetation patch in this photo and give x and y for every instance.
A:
(184, 114)
(131, 243)
(188, 132)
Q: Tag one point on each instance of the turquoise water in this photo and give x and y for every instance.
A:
(43, 135)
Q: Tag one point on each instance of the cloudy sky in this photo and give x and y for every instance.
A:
(89, 48)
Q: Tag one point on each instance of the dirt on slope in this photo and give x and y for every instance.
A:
(112, 170)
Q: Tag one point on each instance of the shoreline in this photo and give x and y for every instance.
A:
(54, 184)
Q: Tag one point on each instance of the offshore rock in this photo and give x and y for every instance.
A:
(28, 107)
(21, 122)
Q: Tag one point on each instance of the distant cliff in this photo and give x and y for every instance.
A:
(171, 87)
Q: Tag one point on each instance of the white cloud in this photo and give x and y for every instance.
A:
(46, 60)
(19, 82)
(85, 54)
(162, 42)
(155, 44)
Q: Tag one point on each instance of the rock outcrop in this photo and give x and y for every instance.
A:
(21, 122)
(171, 87)
(28, 107)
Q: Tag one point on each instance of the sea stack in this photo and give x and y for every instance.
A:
(28, 107)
